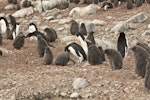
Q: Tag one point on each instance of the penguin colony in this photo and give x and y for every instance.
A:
(87, 49)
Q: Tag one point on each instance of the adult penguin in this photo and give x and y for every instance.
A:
(122, 44)
(82, 29)
(18, 42)
(83, 42)
(51, 34)
(106, 5)
(76, 50)
(4, 24)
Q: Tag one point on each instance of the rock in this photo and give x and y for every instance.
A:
(60, 4)
(79, 83)
(147, 32)
(83, 11)
(53, 12)
(132, 26)
(74, 95)
(50, 18)
(148, 26)
(63, 94)
(2, 14)
(9, 7)
(38, 6)
(105, 44)
(120, 27)
(60, 29)
(98, 22)
(23, 12)
(90, 27)
(138, 18)
(64, 21)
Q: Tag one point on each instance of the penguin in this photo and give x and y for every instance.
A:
(12, 20)
(12, 1)
(102, 53)
(140, 56)
(106, 5)
(139, 3)
(76, 1)
(82, 29)
(41, 44)
(9, 34)
(15, 30)
(129, 4)
(115, 59)
(48, 56)
(36, 33)
(122, 44)
(1, 39)
(63, 58)
(148, 1)
(4, 24)
(51, 34)
(19, 41)
(32, 27)
(71, 1)
(26, 3)
(95, 1)
(76, 50)
(74, 27)
(147, 75)
(116, 2)
(1, 53)
(83, 42)
(91, 37)
(112, 1)
(144, 45)
(94, 55)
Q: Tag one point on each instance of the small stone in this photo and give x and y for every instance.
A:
(63, 94)
(50, 18)
(147, 32)
(60, 29)
(2, 14)
(79, 83)
(148, 26)
(98, 22)
(74, 95)
(64, 21)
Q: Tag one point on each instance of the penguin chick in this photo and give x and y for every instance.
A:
(115, 58)
(94, 55)
(91, 37)
(139, 3)
(26, 3)
(144, 45)
(106, 5)
(19, 41)
(129, 4)
(122, 44)
(12, 20)
(76, 50)
(116, 2)
(147, 75)
(62, 59)
(9, 34)
(140, 55)
(96, 1)
(102, 53)
(41, 44)
(48, 57)
(82, 29)
(76, 1)
(74, 28)
(50, 34)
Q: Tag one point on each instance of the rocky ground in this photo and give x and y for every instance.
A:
(24, 77)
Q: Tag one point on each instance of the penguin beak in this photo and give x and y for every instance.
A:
(51, 45)
(87, 40)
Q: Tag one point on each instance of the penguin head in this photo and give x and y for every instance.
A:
(134, 48)
(92, 32)
(82, 25)
(32, 27)
(47, 30)
(73, 21)
(66, 48)
(107, 51)
(46, 50)
(80, 35)
(122, 34)
(0, 53)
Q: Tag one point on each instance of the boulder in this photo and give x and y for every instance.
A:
(80, 83)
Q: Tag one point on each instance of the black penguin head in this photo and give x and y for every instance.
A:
(46, 50)
(82, 25)
(73, 21)
(107, 51)
(134, 48)
(46, 30)
(92, 32)
(79, 34)
(0, 53)
(66, 48)
(32, 27)
(122, 34)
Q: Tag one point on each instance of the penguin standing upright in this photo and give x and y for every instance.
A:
(106, 5)
(19, 41)
(41, 44)
(4, 24)
(83, 42)
(48, 56)
(77, 51)
(12, 20)
(26, 3)
(74, 28)
(129, 4)
(51, 34)
(122, 44)
(91, 37)
(139, 3)
(94, 55)
(82, 29)
(15, 30)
